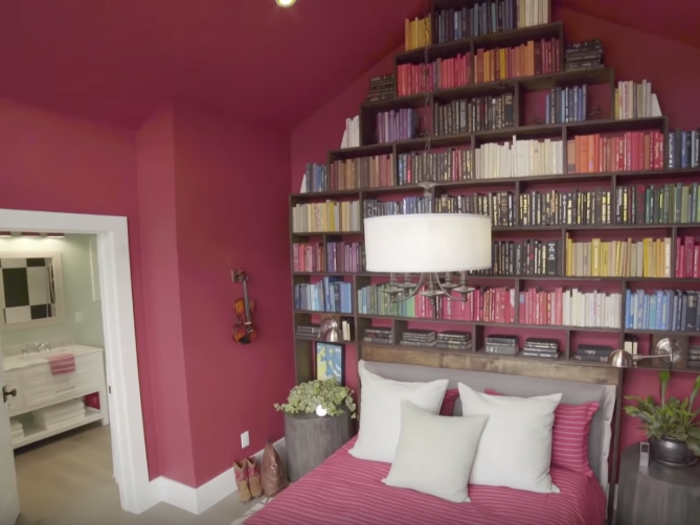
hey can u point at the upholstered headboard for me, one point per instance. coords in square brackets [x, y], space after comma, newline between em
[573, 392]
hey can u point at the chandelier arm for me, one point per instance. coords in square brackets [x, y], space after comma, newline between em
[415, 290]
[448, 293]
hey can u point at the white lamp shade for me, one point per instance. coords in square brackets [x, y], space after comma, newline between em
[428, 243]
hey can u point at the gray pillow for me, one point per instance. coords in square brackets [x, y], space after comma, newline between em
[435, 453]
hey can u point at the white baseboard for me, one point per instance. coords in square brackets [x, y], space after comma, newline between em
[197, 500]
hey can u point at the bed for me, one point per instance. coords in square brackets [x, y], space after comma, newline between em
[346, 490]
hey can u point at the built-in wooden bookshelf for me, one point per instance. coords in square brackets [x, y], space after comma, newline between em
[631, 184]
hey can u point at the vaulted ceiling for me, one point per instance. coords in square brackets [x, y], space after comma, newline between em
[115, 60]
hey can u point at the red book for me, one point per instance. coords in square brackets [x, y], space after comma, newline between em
[689, 256]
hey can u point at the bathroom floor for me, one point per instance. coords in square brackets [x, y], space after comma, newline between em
[68, 480]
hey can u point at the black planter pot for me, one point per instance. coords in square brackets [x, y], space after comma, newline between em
[672, 453]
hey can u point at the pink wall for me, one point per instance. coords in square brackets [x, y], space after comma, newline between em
[155, 164]
[202, 196]
[232, 192]
[670, 66]
[52, 162]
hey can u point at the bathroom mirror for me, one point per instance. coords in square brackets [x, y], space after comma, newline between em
[31, 289]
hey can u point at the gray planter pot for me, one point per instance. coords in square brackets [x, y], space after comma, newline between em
[672, 453]
[310, 439]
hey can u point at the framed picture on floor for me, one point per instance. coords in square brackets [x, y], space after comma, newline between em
[329, 362]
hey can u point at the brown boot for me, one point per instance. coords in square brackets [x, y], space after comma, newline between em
[254, 477]
[241, 472]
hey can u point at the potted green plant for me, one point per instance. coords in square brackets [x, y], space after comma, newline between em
[316, 423]
[672, 426]
[320, 397]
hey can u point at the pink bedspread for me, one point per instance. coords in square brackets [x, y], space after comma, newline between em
[349, 491]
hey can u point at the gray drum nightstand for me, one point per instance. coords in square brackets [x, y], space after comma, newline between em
[656, 495]
[310, 440]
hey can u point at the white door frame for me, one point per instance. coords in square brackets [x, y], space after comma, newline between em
[124, 400]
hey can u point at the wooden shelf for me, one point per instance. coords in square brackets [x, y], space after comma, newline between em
[500, 38]
[317, 312]
[621, 176]
[330, 234]
[440, 358]
[602, 75]
[317, 340]
[534, 227]
[409, 354]
[540, 131]
[507, 325]
[584, 227]
[34, 433]
[558, 278]
[493, 325]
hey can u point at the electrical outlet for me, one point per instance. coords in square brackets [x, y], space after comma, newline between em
[78, 317]
[245, 439]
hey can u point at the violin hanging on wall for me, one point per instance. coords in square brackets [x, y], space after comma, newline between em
[244, 332]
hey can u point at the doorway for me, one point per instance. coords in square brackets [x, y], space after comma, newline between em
[122, 384]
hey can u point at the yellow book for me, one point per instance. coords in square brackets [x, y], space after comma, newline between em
[595, 256]
[407, 34]
[503, 63]
[604, 270]
[645, 258]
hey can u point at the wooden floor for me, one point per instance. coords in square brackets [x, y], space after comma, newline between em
[67, 480]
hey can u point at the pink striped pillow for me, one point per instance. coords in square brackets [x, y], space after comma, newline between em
[448, 402]
[572, 425]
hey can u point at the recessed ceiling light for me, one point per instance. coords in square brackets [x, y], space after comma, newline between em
[285, 3]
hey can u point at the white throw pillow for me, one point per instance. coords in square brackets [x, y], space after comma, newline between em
[516, 446]
[380, 412]
[435, 453]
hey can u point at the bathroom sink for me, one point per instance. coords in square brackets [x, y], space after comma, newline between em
[19, 361]
[37, 358]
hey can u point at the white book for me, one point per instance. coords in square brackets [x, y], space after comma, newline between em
[655, 108]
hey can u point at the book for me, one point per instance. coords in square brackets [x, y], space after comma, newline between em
[584, 55]
[504, 340]
[663, 310]
[597, 351]
[541, 345]
[488, 17]
[351, 135]
[381, 88]
[538, 353]
[334, 257]
[501, 349]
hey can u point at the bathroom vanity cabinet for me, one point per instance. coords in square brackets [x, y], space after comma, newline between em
[37, 388]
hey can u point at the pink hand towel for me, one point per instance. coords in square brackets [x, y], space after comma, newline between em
[62, 364]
